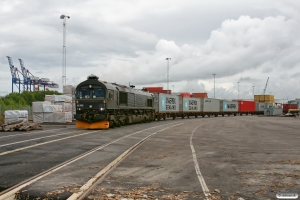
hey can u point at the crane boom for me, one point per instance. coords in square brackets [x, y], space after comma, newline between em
[266, 86]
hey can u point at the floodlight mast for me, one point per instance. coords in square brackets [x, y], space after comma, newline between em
[64, 61]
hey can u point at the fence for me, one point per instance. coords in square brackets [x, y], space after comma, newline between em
[11, 107]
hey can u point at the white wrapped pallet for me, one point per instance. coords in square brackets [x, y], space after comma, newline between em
[13, 114]
[66, 107]
[68, 116]
[52, 108]
[38, 117]
[58, 98]
[48, 117]
[8, 120]
[68, 89]
[38, 106]
[62, 117]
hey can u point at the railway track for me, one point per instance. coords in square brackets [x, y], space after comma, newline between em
[16, 192]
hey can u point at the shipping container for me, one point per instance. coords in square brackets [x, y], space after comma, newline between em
[165, 103]
[185, 94]
[229, 106]
[246, 106]
[161, 91]
[273, 111]
[200, 95]
[210, 105]
[264, 98]
[187, 104]
[260, 107]
[286, 107]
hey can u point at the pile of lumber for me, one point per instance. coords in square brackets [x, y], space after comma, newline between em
[21, 125]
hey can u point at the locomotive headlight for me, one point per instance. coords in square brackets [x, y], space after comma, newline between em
[90, 86]
[90, 106]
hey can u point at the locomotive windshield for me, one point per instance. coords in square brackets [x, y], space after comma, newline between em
[98, 93]
[83, 93]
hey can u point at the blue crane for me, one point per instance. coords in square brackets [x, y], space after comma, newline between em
[15, 76]
[266, 86]
[28, 78]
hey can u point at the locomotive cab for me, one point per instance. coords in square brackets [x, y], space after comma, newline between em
[91, 104]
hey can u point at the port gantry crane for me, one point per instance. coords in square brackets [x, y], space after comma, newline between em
[28, 78]
[266, 86]
[15, 76]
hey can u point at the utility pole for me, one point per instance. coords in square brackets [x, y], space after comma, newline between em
[173, 88]
[238, 90]
[253, 90]
[214, 74]
[168, 73]
[64, 18]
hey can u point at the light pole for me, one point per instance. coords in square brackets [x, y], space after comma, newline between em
[173, 88]
[238, 90]
[64, 18]
[168, 72]
[253, 89]
[214, 74]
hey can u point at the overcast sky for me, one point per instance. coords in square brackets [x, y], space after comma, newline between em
[129, 41]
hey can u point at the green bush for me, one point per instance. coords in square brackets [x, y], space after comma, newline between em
[15, 101]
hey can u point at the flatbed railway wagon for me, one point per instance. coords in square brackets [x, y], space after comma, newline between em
[100, 105]
[189, 106]
[229, 108]
[210, 106]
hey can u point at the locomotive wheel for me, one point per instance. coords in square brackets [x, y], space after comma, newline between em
[111, 124]
[222, 115]
[182, 116]
[173, 117]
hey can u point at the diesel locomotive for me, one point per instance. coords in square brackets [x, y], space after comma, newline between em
[101, 105]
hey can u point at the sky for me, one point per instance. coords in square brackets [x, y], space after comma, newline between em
[128, 41]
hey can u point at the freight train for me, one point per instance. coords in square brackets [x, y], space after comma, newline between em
[101, 105]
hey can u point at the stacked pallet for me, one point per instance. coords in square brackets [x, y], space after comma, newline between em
[69, 90]
[55, 109]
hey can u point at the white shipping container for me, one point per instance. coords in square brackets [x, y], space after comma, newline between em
[188, 104]
[229, 106]
[166, 103]
[210, 105]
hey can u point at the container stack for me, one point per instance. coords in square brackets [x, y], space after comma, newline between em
[69, 90]
[15, 115]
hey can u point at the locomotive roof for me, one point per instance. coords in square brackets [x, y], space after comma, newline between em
[93, 80]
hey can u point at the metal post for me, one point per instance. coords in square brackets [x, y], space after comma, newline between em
[168, 72]
[173, 88]
[238, 90]
[64, 61]
[214, 74]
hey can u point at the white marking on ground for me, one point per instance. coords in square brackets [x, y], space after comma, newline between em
[200, 177]
[36, 139]
[35, 145]
[31, 132]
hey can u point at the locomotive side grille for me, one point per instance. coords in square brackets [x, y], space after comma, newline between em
[131, 99]
[140, 100]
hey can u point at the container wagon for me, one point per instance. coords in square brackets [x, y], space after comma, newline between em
[166, 106]
[247, 107]
[189, 107]
[210, 106]
[229, 108]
